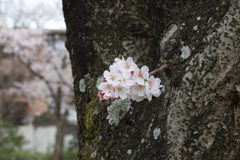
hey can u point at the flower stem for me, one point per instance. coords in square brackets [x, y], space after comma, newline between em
[164, 67]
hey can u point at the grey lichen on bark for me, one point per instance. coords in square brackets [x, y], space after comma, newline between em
[117, 110]
[197, 116]
[200, 105]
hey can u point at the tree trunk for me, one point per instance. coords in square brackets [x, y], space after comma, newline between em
[197, 115]
[60, 125]
[59, 139]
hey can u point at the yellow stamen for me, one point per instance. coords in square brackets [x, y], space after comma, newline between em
[140, 86]
[108, 86]
[140, 75]
[119, 88]
[112, 78]
[127, 66]
[150, 84]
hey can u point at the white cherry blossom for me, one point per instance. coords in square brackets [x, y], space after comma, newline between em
[140, 75]
[127, 65]
[137, 98]
[139, 89]
[112, 77]
[125, 80]
[121, 91]
[106, 87]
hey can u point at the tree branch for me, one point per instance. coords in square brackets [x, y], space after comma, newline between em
[164, 67]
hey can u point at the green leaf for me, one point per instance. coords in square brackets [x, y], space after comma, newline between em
[164, 61]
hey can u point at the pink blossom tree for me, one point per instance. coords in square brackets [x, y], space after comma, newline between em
[49, 70]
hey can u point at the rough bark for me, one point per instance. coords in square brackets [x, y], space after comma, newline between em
[197, 116]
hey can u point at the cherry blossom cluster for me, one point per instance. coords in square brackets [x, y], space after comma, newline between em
[125, 80]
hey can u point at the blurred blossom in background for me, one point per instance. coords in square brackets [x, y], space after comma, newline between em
[32, 14]
[36, 91]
